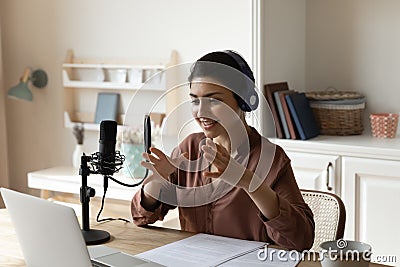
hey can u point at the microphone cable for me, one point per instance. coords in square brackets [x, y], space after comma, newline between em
[106, 177]
[102, 206]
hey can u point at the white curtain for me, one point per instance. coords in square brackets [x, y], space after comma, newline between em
[4, 181]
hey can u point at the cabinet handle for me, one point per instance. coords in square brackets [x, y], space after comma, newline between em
[329, 176]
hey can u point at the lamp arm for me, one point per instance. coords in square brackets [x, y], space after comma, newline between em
[25, 76]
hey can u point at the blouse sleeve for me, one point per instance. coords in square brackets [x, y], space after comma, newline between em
[294, 227]
[142, 215]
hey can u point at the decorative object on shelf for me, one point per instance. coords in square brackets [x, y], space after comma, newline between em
[384, 125]
[107, 107]
[116, 75]
[76, 156]
[135, 76]
[21, 91]
[338, 112]
[78, 131]
[130, 143]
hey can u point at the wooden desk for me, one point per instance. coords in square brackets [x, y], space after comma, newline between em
[125, 237]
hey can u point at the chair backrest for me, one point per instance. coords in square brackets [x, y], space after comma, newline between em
[329, 215]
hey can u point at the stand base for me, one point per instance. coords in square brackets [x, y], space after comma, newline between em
[95, 237]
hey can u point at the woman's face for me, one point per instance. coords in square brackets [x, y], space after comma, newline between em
[214, 107]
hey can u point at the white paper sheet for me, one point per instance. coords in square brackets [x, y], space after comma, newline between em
[276, 258]
[200, 250]
[211, 250]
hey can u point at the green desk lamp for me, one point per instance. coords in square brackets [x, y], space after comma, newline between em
[21, 91]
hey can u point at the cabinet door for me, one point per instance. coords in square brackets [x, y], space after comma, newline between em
[371, 193]
[316, 171]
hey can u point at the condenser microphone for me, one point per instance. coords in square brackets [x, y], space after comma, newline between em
[107, 141]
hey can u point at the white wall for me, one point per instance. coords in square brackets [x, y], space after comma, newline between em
[285, 42]
[38, 33]
[355, 45]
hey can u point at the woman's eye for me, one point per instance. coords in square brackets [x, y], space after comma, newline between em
[214, 101]
[195, 101]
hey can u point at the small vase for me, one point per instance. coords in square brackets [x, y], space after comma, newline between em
[76, 156]
[133, 157]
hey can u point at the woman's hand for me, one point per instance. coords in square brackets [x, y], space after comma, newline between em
[228, 169]
[161, 164]
[218, 156]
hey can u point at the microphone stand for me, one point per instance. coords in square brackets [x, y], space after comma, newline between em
[91, 236]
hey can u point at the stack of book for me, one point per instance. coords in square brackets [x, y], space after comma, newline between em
[294, 119]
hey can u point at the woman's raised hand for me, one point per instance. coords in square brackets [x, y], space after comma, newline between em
[161, 164]
[227, 168]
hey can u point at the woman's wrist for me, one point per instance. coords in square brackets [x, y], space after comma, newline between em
[244, 183]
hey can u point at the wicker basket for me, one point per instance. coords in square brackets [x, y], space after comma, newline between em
[338, 113]
[384, 125]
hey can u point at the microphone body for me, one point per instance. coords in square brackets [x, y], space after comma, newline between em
[107, 141]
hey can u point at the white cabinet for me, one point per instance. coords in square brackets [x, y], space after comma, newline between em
[367, 178]
[316, 171]
[84, 79]
[371, 192]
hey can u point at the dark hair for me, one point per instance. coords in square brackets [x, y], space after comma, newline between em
[224, 68]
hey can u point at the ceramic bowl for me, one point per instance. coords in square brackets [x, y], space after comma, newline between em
[135, 76]
[344, 253]
[116, 75]
[89, 74]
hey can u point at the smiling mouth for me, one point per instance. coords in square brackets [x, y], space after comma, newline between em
[207, 123]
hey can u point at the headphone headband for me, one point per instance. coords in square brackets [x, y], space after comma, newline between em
[251, 100]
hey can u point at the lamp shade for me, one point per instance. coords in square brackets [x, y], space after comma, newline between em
[21, 91]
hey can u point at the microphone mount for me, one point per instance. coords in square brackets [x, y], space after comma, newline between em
[98, 165]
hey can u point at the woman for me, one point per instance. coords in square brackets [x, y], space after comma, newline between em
[258, 203]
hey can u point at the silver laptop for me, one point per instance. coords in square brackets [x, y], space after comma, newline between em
[49, 235]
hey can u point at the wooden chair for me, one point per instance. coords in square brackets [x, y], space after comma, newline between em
[329, 215]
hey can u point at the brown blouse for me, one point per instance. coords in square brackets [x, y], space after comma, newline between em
[235, 214]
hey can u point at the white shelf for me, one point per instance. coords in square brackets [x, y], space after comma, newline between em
[68, 83]
[81, 87]
[113, 66]
[88, 126]
[103, 85]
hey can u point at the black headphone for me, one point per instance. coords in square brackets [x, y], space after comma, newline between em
[247, 100]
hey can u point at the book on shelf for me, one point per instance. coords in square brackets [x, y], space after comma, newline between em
[302, 115]
[281, 114]
[269, 90]
[106, 107]
[289, 119]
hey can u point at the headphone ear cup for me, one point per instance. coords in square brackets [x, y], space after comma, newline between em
[251, 104]
[243, 106]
